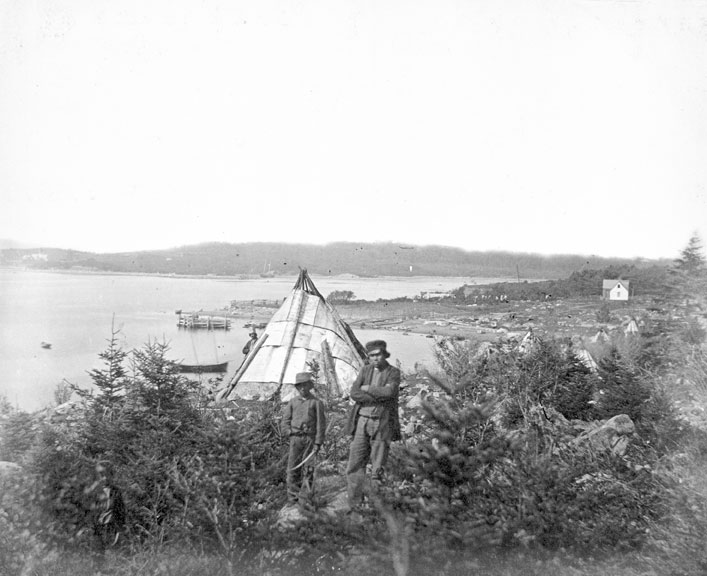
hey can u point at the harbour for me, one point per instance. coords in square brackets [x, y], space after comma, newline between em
[76, 313]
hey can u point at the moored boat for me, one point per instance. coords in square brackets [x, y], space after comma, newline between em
[203, 368]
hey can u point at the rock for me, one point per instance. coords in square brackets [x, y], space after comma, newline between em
[331, 491]
[614, 434]
[330, 497]
[9, 468]
[339, 503]
[416, 401]
[7, 471]
[289, 516]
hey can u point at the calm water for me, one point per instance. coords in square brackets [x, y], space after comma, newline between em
[75, 313]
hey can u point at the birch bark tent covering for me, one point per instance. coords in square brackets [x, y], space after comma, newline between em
[305, 328]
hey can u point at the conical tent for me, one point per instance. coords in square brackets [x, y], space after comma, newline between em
[582, 354]
[601, 336]
[586, 358]
[305, 328]
[529, 342]
[631, 327]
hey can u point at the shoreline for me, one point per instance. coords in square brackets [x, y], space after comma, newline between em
[470, 280]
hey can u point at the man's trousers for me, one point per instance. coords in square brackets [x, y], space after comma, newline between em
[366, 444]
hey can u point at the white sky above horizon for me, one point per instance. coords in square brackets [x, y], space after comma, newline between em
[547, 126]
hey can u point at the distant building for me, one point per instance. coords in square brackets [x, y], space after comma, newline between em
[434, 295]
[615, 290]
[36, 257]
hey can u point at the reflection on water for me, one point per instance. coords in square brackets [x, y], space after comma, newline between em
[76, 313]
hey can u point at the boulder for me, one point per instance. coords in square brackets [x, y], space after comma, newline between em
[330, 497]
[416, 401]
[614, 434]
[7, 468]
[7, 471]
[289, 516]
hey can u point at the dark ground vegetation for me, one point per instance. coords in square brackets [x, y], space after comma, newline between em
[147, 476]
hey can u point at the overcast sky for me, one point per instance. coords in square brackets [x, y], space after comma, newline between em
[568, 126]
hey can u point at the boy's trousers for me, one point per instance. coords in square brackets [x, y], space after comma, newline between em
[299, 479]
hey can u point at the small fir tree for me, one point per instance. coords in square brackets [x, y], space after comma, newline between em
[692, 260]
[110, 381]
[622, 391]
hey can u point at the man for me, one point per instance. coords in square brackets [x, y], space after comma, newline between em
[373, 421]
[249, 345]
[304, 422]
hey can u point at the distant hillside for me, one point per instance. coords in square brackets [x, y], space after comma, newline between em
[379, 259]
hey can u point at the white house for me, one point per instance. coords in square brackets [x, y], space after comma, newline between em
[615, 290]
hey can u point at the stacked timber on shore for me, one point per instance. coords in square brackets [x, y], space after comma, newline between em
[237, 305]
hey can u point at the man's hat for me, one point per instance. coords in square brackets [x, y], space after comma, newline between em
[303, 378]
[377, 345]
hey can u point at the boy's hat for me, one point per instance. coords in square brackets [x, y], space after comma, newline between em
[380, 345]
[303, 378]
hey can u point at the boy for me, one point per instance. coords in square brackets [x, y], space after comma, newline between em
[304, 423]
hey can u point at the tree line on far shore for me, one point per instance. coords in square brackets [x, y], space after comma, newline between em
[361, 259]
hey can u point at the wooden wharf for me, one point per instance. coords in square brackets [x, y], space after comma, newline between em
[196, 321]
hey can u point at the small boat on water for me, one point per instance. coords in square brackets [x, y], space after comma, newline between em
[46, 345]
[203, 368]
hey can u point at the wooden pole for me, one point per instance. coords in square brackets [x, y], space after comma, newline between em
[333, 387]
[243, 367]
[299, 298]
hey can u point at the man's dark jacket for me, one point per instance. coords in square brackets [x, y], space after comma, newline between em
[384, 396]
